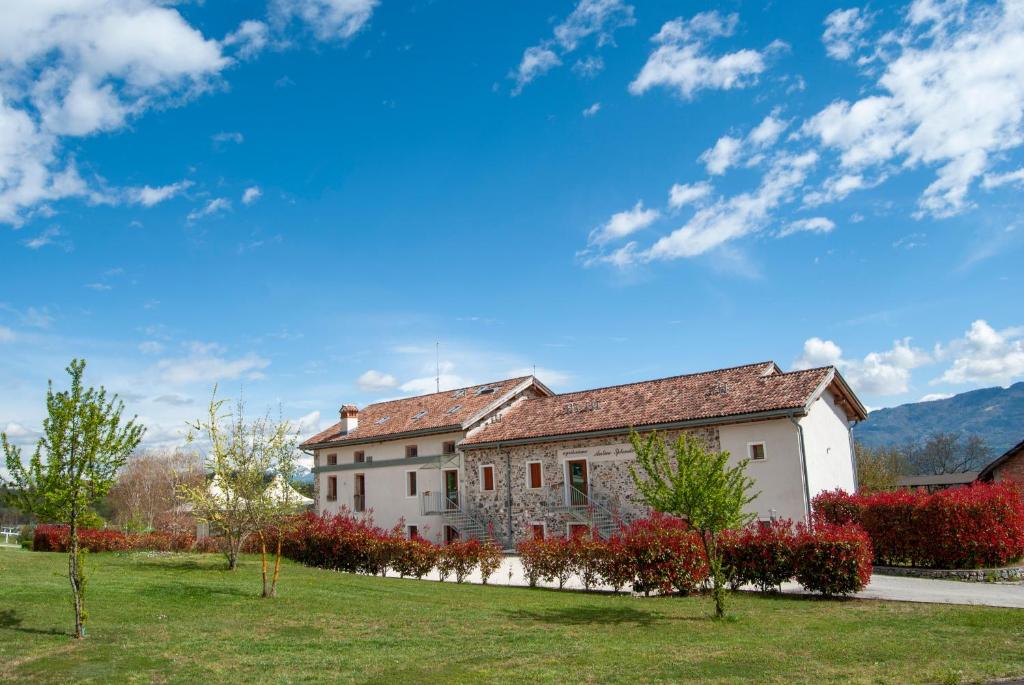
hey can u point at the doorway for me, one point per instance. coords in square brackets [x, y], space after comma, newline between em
[451, 489]
[579, 486]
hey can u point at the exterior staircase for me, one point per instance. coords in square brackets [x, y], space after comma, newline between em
[459, 513]
[593, 507]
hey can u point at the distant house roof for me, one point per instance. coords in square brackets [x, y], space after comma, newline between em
[745, 392]
[989, 471]
[438, 412]
[932, 479]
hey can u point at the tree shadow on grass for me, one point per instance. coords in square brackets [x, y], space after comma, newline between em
[576, 616]
[10, 619]
[193, 590]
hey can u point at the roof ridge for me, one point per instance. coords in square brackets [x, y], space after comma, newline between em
[445, 392]
[666, 378]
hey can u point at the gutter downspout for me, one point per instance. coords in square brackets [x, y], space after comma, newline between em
[508, 501]
[803, 468]
[316, 480]
[853, 458]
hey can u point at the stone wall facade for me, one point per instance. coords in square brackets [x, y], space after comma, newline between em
[609, 477]
[1011, 470]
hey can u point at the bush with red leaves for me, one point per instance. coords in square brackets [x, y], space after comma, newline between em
[832, 560]
[666, 555]
[761, 555]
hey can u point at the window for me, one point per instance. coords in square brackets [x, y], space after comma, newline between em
[537, 530]
[487, 478]
[755, 450]
[359, 493]
[534, 474]
[450, 535]
[410, 483]
[332, 488]
[411, 451]
[414, 532]
[449, 447]
[578, 530]
[419, 415]
[332, 459]
[359, 457]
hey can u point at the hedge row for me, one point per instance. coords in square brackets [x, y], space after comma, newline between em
[977, 526]
[55, 538]
[660, 554]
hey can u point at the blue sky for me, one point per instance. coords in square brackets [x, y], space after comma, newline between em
[296, 200]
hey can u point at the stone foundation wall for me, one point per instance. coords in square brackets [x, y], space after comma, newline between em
[609, 477]
[974, 575]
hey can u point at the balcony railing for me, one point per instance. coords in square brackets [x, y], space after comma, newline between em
[438, 502]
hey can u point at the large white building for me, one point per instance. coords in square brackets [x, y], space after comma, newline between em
[511, 459]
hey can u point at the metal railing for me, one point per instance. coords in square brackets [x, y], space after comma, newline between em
[438, 502]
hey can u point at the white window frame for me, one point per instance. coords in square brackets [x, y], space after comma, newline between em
[407, 495]
[750, 451]
[535, 461]
[494, 477]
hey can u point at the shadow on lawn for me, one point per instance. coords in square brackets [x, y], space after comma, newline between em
[576, 616]
[10, 619]
[193, 590]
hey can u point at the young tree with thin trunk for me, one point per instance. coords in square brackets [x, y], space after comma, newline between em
[698, 485]
[239, 457]
[74, 465]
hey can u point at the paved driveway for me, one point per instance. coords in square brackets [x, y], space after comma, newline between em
[881, 587]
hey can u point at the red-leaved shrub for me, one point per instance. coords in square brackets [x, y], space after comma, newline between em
[665, 554]
[55, 538]
[832, 560]
[416, 557]
[760, 554]
[971, 527]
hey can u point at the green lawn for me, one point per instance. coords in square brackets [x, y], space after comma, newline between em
[183, 619]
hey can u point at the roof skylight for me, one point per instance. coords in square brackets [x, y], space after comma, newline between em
[459, 393]
[454, 409]
[486, 390]
[419, 415]
[382, 420]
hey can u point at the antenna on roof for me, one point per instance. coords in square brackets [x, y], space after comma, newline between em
[437, 362]
[534, 370]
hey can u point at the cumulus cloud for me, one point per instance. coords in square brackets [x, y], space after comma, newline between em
[878, 373]
[952, 97]
[622, 224]
[985, 355]
[682, 194]
[729, 151]
[682, 64]
[597, 19]
[208, 363]
[147, 196]
[723, 155]
[327, 19]
[1010, 177]
[228, 137]
[375, 381]
[72, 70]
[249, 39]
[844, 32]
[251, 194]
[817, 224]
[592, 110]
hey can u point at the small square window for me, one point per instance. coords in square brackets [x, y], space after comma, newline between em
[756, 451]
[538, 531]
[411, 451]
[359, 456]
[332, 459]
[449, 447]
[410, 484]
[535, 474]
[487, 478]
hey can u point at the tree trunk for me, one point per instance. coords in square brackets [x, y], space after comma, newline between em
[76, 574]
[232, 551]
[263, 563]
[715, 568]
[277, 566]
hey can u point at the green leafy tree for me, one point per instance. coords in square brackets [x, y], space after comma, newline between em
[878, 468]
[74, 465]
[694, 483]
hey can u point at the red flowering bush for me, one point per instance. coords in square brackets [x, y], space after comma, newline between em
[55, 538]
[531, 556]
[549, 559]
[415, 557]
[832, 560]
[837, 507]
[615, 565]
[459, 557]
[666, 555]
[980, 525]
[761, 554]
[587, 553]
[342, 542]
[490, 558]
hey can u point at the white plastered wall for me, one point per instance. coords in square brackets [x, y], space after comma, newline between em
[830, 464]
[777, 477]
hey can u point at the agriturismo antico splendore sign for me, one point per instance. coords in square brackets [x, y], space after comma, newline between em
[620, 452]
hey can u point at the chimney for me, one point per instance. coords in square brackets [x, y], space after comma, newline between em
[349, 417]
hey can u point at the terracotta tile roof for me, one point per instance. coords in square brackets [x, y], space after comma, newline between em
[434, 412]
[709, 395]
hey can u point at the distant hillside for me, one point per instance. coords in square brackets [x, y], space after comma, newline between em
[997, 414]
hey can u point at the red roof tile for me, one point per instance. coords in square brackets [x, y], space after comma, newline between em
[710, 395]
[435, 412]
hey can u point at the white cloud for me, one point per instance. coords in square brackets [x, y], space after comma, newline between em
[214, 206]
[768, 131]
[20, 434]
[228, 137]
[375, 381]
[75, 69]
[6, 335]
[207, 363]
[681, 63]
[429, 384]
[817, 224]
[250, 38]
[50, 236]
[150, 347]
[251, 194]
[550, 377]
[600, 18]
[844, 32]
[99, 287]
[622, 224]
[147, 196]
[723, 155]
[933, 396]
[996, 180]
[952, 97]
[985, 355]
[327, 19]
[592, 110]
[682, 194]
[878, 373]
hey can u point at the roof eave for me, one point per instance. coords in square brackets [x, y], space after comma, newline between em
[450, 428]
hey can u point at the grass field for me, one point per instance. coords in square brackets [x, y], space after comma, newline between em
[183, 619]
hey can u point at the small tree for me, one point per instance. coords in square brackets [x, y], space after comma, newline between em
[698, 485]
[239, 456]
[878, 468]
[84, 443]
